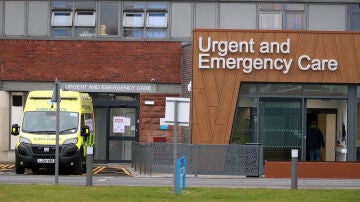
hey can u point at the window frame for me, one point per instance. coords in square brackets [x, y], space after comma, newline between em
[68, 21]
[284, 10]
[126, 22]
[163, 25]
[91, 21]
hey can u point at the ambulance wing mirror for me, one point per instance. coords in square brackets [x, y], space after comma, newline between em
[15, 128]
[85, 131]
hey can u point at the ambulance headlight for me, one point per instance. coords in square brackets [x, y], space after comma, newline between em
[71, 141]
[24, 140]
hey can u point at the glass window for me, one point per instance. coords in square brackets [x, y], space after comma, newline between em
[136, 33]
[133, 19]
[109, 18]
[62, 4]
[145, 19]
[294, 21]
[61, 18]
[280, 89]
[282, 16]
[157, 5]
[156, 19]
[248, 89]
[85, 32]
[85, 18]
[325, 90]
[281, 127]
[81, 4]
[354, 17]
[153, 33]
[270, 21]
[61, 32]
[134, 5]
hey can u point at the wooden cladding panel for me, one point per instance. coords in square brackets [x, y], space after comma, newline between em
[215, 91]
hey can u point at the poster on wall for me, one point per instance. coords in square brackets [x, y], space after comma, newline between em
[119, 123]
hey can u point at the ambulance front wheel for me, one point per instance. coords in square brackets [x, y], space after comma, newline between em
[19, 169]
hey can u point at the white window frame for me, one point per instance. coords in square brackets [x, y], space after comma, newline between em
[130, 21]
[67, 19]
[87, 18]
[148, 20]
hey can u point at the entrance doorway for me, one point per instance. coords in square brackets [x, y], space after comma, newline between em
[326, 122]
[329, 115]
[116, 126]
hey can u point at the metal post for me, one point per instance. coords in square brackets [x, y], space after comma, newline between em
[175, 142]
[57, 97]
[89, 165]
[294, 169]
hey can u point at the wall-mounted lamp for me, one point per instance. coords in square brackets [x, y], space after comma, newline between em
[149, 102]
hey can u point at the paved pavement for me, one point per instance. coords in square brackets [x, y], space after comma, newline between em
[113, 174]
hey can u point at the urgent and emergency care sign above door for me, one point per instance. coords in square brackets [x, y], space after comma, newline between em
[249, 55]
[223, 59]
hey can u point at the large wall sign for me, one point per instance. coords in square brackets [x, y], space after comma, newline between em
[215, 54]
[222, 59]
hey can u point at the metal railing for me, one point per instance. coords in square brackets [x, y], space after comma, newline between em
[245, 160]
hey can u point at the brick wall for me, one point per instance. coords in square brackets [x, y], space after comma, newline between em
[87, 61]
[150, 118]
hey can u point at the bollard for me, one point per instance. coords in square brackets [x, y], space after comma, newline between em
[89, 162]
[294, 169]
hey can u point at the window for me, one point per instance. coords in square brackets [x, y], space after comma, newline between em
[85, 18]
[156, 19]
[109, 18]
[73, 18]
[354, 17]
[148, 20]
[282, 16]
[61, 18]
[133, 19]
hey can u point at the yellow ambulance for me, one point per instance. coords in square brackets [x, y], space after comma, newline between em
[36, 144]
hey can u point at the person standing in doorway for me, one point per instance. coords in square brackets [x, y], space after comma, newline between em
[314, 142]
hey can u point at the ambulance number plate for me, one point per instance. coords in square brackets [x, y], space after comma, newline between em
[46, 160]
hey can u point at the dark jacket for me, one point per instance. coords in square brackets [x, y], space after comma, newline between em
[314, 138]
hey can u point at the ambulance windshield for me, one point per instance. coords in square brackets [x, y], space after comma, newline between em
[44, 122]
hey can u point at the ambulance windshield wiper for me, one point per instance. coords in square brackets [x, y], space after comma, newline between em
[42, 131]
[69, 130]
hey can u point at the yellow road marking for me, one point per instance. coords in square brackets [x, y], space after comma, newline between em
[98, 169]
[125, 171]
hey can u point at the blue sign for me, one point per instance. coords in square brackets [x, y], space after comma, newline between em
[181, 173]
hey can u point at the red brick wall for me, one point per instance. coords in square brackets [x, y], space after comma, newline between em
[150, 118]
[87, 61]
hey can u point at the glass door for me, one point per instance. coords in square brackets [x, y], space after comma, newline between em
[116, 120]
[122, 133]
[280, 127]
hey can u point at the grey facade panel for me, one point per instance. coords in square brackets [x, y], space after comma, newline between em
[1, 17]
[181, 20]
[186, 77]
[205, 15]
[238, 16]
[327, 17]
[38, 21]
[14, 18]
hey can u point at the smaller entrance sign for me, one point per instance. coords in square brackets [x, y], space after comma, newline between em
[181, 174]
[183, 111]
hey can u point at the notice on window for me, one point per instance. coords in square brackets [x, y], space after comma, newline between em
[119, 123]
